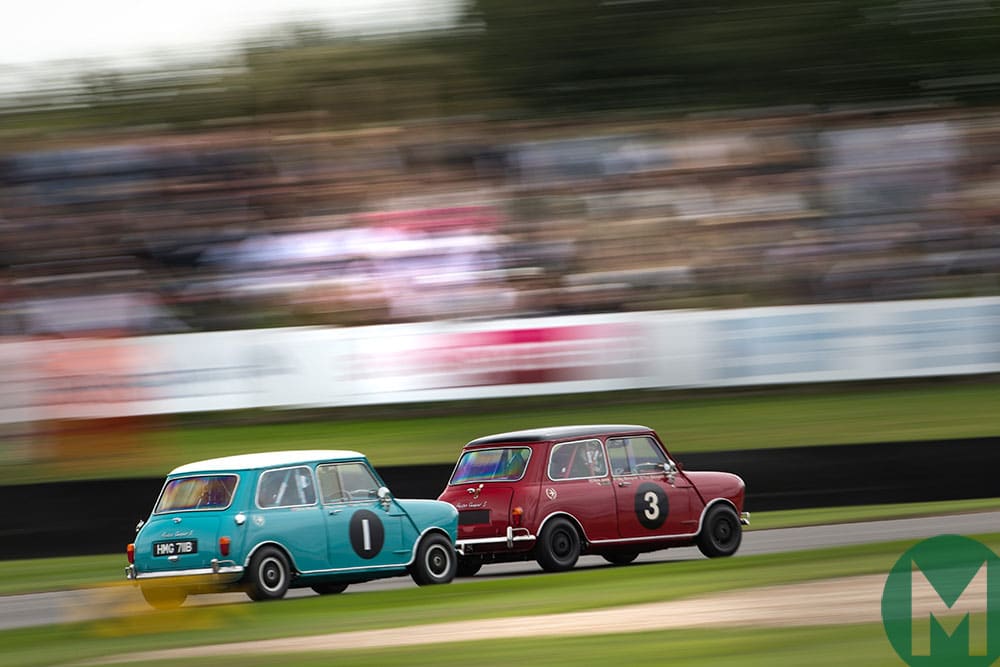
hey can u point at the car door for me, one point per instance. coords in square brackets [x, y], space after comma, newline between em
[288, 513]
[363, 531]
[578, 483]
[650, 501]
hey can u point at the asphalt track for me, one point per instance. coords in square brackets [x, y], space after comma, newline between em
[35, 609]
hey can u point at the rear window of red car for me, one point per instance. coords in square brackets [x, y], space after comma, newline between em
[502, 464]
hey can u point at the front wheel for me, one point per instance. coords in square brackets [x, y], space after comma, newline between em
[269, 575]
[558, 546]
[721, 533]
[160, 597]
[436, 561]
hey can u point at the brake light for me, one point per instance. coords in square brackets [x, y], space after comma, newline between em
[224, 545]
[130, 552]
[515, 515]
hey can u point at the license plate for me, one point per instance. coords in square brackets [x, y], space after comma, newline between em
[175, 548]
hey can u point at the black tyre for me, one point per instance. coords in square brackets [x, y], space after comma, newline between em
[721, 533]
[160, 597]
[468, 567]
[330, 589]
[436, 561]
[558, 546]
[269, 575]
[620, 558]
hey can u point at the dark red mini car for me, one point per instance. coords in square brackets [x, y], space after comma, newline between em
[552, 494]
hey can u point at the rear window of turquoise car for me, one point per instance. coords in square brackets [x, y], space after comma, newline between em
[503, 464]
[199, 492]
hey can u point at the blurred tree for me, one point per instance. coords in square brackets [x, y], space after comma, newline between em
[599, 54]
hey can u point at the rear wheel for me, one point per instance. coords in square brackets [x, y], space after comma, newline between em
[620, 558]
[330, 589]
[436, 561]
[721, 533]
[269, 575]
[558, 546]
[160, 597]
[468, 567]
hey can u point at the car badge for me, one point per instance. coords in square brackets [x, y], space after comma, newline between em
[258, 520]
[550, 493]
[474, 491]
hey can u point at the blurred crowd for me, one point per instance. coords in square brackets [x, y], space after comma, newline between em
[290, 223]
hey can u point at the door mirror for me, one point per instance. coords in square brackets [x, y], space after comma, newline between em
[384, 497]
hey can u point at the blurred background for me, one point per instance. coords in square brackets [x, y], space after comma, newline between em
[249, 166]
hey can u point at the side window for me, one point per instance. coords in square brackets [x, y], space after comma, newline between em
[286, 487]
[329, 484]
[633, 456]
[347, 481]
[576, 460]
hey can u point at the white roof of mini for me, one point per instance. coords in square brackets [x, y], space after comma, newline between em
[267, 460]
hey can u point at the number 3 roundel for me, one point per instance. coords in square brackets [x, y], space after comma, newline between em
[651, 505]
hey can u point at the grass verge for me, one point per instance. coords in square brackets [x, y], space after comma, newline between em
[406, 435]
[140, 629]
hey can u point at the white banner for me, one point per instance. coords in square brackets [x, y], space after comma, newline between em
[434, 361]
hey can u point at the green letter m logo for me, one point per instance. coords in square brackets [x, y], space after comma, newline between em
[941, 603]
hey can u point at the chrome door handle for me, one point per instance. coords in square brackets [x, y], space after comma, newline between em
[623, 483]
[335, 511]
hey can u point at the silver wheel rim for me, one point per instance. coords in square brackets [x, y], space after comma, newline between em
[271, 574]
[437, 561]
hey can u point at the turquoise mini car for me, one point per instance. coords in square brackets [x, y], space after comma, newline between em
[263, 523]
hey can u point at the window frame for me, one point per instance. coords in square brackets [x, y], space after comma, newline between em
[557, 445]
[659, 445]
[344, 495]
[232, 496]
[260, 480]
[524, 471]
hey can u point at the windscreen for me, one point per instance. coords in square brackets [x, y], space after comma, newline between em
[503, 464]
[202, 492]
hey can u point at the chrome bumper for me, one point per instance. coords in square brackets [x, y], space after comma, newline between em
[745, 518]
[513, 535]
[221, 571]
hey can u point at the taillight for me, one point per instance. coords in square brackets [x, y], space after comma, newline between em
[515, 515]
[130, 552]
[224, 545]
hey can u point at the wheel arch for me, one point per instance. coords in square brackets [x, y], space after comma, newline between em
[710, 505]
[427, 532]
[562, 514]
[294, 570]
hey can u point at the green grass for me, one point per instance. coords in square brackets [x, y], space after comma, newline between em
[757, 647]
[690, 422]
[829, 515]
[52, 574]
[141, 629]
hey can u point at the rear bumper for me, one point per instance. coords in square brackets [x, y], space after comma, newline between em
[521, 537]
[745, 518]
[220, 572]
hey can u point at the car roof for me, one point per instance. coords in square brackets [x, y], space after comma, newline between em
[267, 460]
[559, 433]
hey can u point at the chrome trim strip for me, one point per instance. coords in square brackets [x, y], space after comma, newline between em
[198, 572]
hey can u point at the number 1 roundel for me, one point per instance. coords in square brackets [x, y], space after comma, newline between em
[651, 505]
[367, 534]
